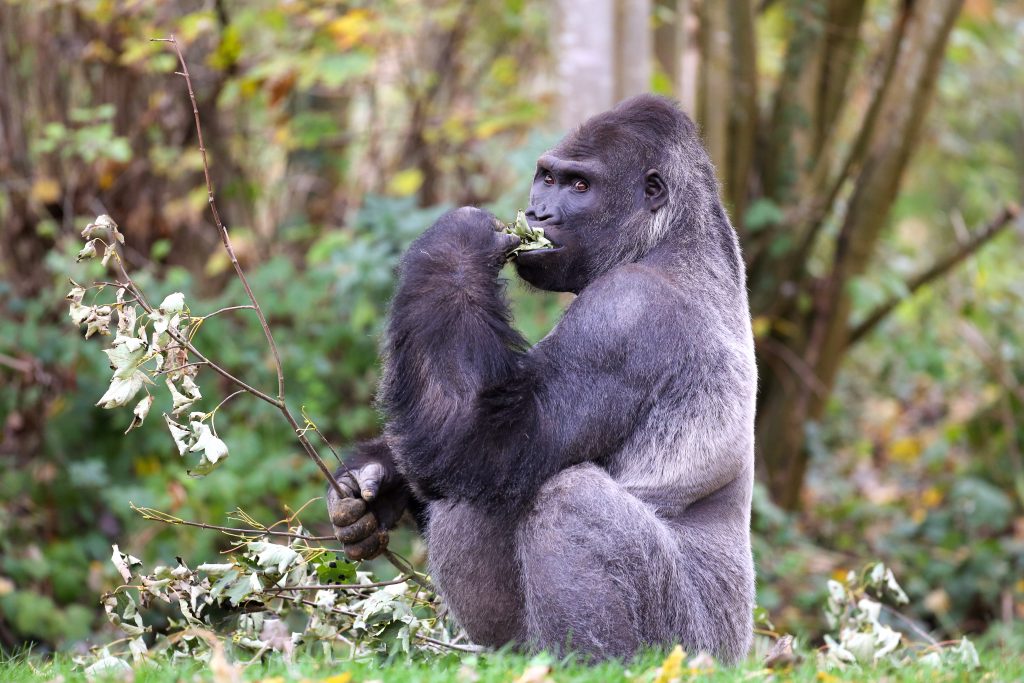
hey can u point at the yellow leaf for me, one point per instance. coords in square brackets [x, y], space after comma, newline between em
[338, 678]
[906, 450]
[283, 136]
[350, 28]
[761, 325]
[826, 677]
[672, 667]
[931, 497]
[45, 190]
[217, 263]
[407, 182]
[505, 71]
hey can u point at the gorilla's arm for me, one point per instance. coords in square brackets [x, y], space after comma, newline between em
[471, 413]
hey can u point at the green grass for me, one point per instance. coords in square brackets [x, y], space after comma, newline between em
[505, 668]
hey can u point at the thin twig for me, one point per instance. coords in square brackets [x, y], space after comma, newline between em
[221, 228]
[225, 310]
[910, 624]
[230, 396]
[340, 586]
[330, 446]
[226, 241]
[178, 368]
[154, 515]
[451, 646]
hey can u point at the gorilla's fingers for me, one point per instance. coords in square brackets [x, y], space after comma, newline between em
[368, 548]
[348, 483]
[369, 478]
[354, 533]
[345, 511]
[508, 242]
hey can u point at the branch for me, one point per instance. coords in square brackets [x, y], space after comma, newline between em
[995, 227]
[280, 403]
[221, 228]
[338, 586]
[129, 284]
[226, 241]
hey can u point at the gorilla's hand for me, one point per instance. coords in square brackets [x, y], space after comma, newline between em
[375, 497]
[471, 232]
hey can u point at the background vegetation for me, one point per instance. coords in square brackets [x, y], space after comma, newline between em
[870, 154]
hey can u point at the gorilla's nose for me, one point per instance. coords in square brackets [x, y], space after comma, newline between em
[538, 214]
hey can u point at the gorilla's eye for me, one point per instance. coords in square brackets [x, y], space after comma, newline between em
[549, 179]
[580, 186]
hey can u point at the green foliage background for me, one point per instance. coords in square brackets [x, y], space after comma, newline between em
[338, 131]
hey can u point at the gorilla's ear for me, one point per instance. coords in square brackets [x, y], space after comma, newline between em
[655, 191]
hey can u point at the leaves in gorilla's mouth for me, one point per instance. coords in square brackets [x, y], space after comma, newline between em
[530, 238]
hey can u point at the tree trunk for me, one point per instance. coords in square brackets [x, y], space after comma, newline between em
[586, 66]
[799, 370]
[727, 96]
[633, 48]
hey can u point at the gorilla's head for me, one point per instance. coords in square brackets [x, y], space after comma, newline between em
[613, 189]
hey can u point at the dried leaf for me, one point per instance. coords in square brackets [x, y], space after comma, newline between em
[781, 654]
[97, 320]
[214, 450]
[273, 556]
[122, 390]
[140, 412]
[123, 563]
[87, 252]
[181, 435]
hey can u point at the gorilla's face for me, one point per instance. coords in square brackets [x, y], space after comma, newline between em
[565, 200]
[587, 205]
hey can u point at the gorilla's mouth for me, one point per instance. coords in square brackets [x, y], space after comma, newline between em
[526, 255]
[551, 233]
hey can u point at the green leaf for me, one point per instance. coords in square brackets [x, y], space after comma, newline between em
[761, 214]
[334, 570]
[530, 238]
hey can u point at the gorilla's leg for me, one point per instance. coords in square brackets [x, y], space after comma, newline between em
[474, 565]
[602, 570]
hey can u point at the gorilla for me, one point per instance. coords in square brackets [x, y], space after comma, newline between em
[590, 493]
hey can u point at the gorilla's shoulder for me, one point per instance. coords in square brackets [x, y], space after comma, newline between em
[631, 300]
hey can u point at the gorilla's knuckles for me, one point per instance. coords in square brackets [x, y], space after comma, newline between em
[346, 511]
[358, 530]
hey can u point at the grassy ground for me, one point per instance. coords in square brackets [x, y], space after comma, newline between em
[506, 668]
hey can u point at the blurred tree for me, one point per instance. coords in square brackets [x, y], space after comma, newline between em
[810, 172]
